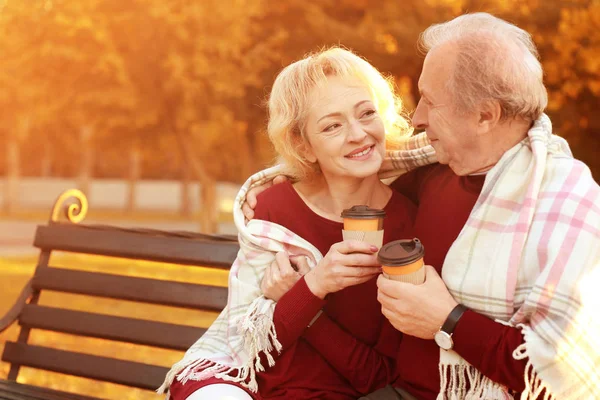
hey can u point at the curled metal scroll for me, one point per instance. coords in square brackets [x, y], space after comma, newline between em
[74, 211]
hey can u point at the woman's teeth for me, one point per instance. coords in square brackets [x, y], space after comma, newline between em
[362, 153]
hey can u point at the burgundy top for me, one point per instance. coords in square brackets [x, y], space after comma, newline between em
[300, 372]
[445, 201]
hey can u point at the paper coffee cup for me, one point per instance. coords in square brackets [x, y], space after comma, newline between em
[402, 260]
[364, 224]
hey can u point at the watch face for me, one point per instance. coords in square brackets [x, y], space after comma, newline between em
[443, 340]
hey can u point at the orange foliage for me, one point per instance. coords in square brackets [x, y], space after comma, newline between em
[135, 72]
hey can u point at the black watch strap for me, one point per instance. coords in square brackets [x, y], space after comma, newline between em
[453, 318]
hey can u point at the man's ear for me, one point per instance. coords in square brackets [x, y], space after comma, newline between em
[490, 113]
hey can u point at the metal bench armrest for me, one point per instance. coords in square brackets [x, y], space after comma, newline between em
[12, 314]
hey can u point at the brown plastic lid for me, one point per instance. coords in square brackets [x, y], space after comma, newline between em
[363, 212]
[401, 252]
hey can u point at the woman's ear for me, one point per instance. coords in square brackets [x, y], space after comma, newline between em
[305, 149]
[309, 155]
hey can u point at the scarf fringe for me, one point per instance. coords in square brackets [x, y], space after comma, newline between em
[258, 330]
[259, 335]
[465, 382]
[534, 386]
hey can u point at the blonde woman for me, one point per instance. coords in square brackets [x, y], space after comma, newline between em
[328, 118]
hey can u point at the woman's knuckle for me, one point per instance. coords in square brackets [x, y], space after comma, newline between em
[336, 259]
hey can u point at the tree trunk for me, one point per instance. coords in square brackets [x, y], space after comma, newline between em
[13, 173]
[134, 174]
[86, 160]
[46, 163]
[249, 132]
[208, 208]
[208, 198]
[186, 207]
[245, 150]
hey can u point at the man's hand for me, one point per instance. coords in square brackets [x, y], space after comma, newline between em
[250, 204]
[347, 263]
[281, 276]
[417, 310]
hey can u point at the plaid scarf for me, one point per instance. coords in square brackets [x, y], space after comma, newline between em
[416, 152]
[529, 256]
[231, 348]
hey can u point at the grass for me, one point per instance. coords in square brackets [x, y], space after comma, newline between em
[16, 271]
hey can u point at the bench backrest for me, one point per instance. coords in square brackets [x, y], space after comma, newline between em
[143, 244]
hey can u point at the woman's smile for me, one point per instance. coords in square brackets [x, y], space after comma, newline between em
[362, 153]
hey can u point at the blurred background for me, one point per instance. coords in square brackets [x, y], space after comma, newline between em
[158, 105]
[154, 108]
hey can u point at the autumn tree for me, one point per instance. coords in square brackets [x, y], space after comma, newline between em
[175, 90]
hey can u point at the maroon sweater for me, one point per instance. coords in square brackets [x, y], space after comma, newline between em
[445, 201]
[300, 372]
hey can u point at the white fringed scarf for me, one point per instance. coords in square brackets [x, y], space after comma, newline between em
[529, 256]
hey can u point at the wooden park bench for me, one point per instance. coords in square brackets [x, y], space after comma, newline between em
[183, 248]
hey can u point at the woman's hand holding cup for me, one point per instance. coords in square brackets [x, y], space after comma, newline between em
[347, 263]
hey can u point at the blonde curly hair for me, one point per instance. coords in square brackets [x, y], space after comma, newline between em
[288, 103]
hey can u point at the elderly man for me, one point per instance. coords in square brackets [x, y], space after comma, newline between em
[510, 223]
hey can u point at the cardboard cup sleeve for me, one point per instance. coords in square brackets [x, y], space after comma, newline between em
[372, 237]
[416, 278]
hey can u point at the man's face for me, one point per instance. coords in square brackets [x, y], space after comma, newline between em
[453, 135]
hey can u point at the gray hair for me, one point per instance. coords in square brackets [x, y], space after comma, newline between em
[496, 61]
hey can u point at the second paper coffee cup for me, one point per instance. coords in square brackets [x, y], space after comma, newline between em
[402, 260]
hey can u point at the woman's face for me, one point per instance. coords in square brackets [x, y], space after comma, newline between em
[346, 135]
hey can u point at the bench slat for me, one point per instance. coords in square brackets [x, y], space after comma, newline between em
[178, 294]
[11, 390]
[130, 330]
[122, 372]
[138, 245]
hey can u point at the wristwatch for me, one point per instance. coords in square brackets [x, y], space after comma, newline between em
[443, 337]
